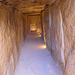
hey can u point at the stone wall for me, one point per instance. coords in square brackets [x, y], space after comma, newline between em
[59, 33]
[11, 38]
[34, 23]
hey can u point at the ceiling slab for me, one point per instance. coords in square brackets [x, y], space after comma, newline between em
[28, 6]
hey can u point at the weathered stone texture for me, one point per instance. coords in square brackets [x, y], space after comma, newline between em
[28, 6]
[61, 33]
[11, 38]
[46, 28]
[70, 67]
[68, 13]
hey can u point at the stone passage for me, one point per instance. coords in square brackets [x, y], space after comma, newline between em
[35, 59]
[53, 20]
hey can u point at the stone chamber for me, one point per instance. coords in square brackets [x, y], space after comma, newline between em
[53, 19]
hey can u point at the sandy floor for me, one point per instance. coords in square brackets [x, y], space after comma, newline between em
[35, 59]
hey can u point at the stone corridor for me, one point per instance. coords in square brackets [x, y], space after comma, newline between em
[35, 59]
[37, 37]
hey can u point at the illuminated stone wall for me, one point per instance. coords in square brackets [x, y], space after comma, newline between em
[11, 38]
[59, 32]
[34, 23]
[46, 28]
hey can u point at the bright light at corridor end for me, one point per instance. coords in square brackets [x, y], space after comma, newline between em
[39, 35]
[43, 46]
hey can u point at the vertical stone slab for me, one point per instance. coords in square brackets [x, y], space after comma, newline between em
[10, 43]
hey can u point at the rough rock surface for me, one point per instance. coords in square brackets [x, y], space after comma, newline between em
[28, 6]
[61, 33]
[70, 65]
[11, 38]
